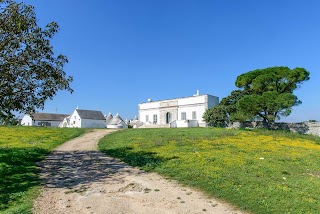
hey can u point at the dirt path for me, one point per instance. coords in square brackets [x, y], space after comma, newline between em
[79, 179]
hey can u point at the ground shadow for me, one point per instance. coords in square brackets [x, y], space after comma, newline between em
[68, 169]
[142, 159]
[18, 172]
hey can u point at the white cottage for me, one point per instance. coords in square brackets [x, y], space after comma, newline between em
[42, 119]
[84, 119]
[179, 112]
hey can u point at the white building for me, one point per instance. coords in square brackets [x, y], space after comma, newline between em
[42, 119]
[116, 122]
[108, 118]
[84, 119]
[180, 112]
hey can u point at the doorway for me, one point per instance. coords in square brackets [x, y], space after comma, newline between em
[168, 118]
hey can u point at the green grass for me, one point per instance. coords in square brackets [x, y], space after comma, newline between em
[257, 171]
[20, 149]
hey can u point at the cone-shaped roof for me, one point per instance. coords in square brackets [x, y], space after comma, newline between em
[116, 120]
[109, 118]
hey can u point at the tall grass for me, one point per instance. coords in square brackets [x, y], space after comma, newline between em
[20, 149]
[257, 171]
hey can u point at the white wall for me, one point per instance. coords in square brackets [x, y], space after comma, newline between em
[26, 120]
[121, 125]
[75, 120]
[52, 123]
[150, 113]
[88, 123]
[184, 123]
[150, 109]
[199, 109]
[197, 104]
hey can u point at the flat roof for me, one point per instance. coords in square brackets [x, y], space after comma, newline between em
[178, 98]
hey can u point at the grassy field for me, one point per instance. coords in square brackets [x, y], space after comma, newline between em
[20, 149]
[257, 171]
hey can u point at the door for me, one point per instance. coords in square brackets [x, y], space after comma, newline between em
[168, 118]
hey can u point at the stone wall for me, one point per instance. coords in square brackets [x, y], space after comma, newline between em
[303, 128]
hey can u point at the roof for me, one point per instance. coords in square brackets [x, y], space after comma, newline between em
[109, 118]
[172, 99]
[48, 116]
[90, 114]
[116, 120]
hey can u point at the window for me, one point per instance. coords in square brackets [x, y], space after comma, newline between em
[147, 118]
[183, 116]
[194, 115]
[155, 119]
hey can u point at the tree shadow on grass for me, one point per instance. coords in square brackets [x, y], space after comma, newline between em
[18, 172]
[142, 159]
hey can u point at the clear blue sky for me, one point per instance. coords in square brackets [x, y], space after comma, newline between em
[122, 52]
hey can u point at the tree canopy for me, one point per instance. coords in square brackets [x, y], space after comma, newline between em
[265, 94]
[30, 72]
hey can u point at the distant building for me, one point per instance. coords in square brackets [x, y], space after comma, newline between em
[116, 122]
[179, 112]
[84, 119]
[135, 123]
[43, 119]
[108, 118]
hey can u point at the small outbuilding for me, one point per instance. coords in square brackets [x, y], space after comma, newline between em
[117, 123]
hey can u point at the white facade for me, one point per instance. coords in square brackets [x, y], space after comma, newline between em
[42, 119]
[84, 119]
[75, 120]
[27, 120]
[184, 112]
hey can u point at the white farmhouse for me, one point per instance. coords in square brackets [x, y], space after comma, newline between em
[84, 119]
[42, 119]
[179, 112]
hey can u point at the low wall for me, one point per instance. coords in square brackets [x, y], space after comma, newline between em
[303, 128]
[184, 123]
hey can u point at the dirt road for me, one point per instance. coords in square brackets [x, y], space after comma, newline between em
[79, 179]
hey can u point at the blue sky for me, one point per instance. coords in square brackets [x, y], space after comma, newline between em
[122, 52]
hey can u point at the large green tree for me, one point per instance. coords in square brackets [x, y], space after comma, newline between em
[264, 94]
[225, 112]
[270, 92]
[30, 72]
